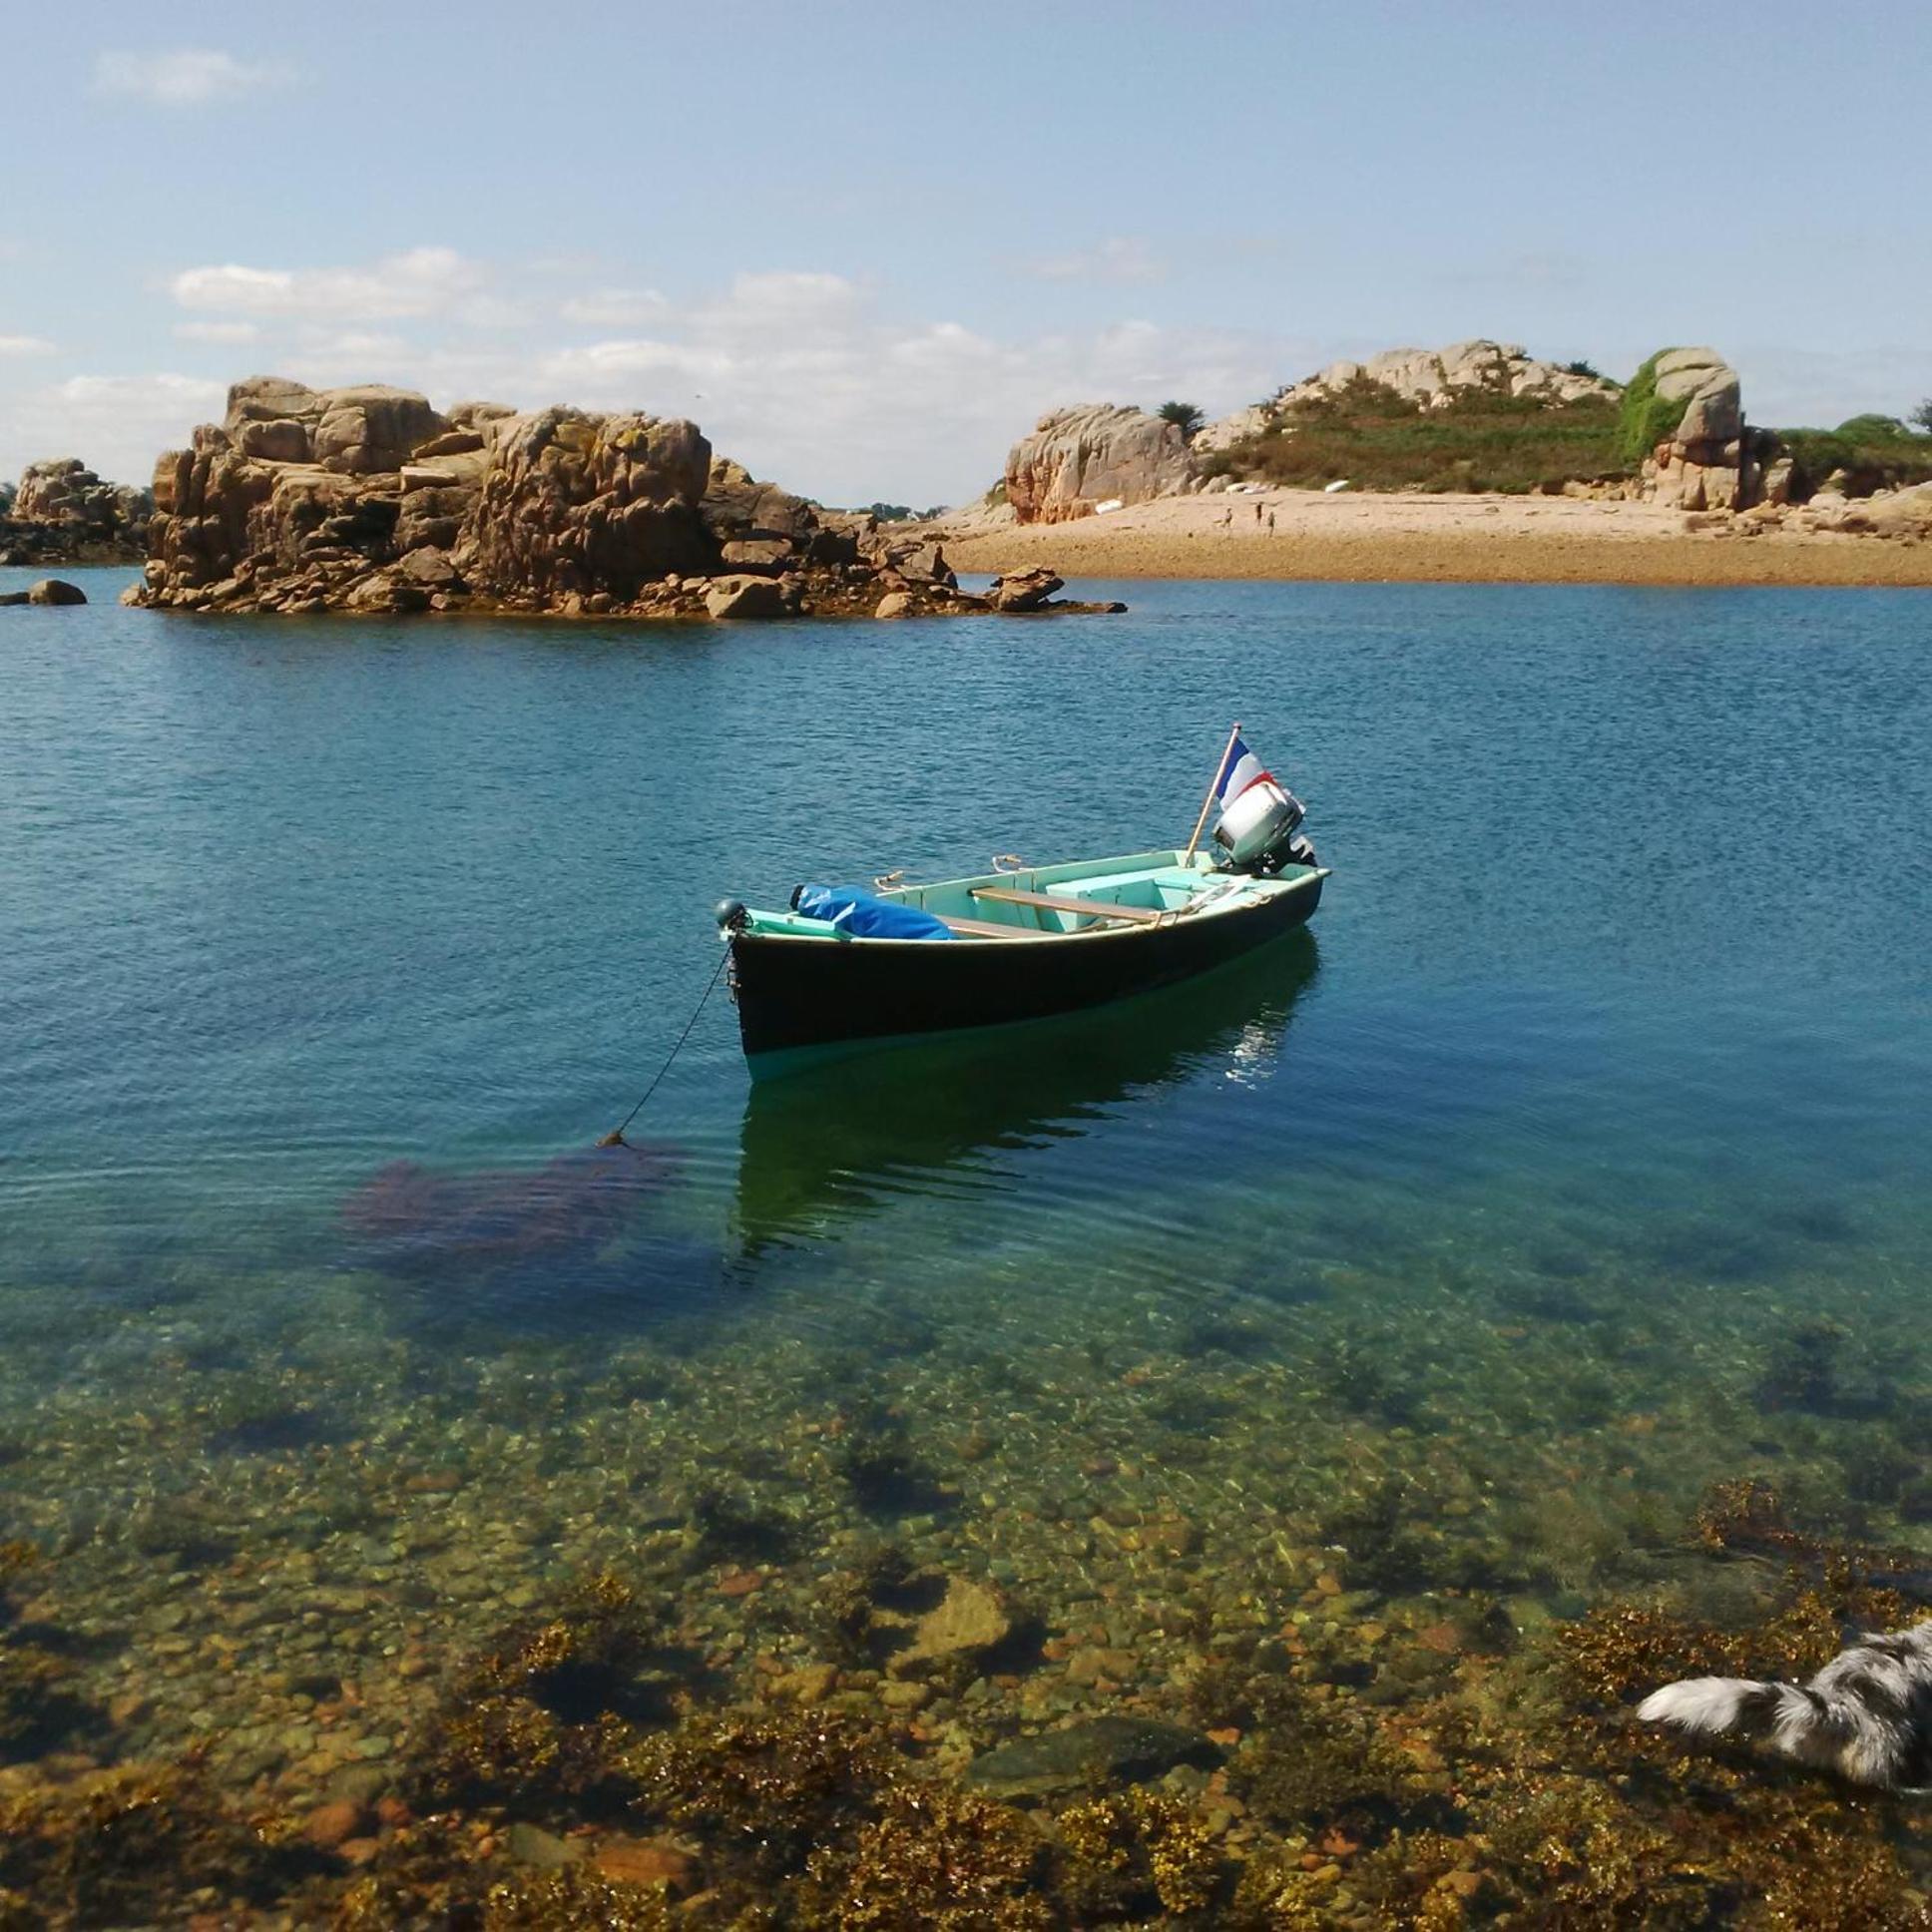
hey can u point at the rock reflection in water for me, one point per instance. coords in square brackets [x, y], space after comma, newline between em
[842, 1137]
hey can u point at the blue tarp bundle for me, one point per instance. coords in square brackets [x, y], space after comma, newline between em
[865, 915]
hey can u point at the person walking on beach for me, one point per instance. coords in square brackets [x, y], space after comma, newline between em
[1271, 523]
[1227, 518]
[1257, 513]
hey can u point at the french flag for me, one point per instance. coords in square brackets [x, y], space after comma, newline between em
[1240, 769]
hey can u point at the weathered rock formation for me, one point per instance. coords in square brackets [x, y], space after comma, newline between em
[50, 590]
[1709, 461]
[368, 499]
[63, 510]
[1905, 515]
[1097, 453]
[1431, 378]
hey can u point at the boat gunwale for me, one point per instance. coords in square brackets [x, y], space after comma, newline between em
[1224, 907]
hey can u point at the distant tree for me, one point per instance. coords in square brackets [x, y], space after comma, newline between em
[1921, 417]
[6, 498]
[1583, 368]
[1186, 418]
[1872, 428]
[890, 512]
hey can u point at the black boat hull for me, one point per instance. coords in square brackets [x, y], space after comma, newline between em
[795, 994]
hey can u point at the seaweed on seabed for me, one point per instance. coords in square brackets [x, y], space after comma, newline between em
[1133, 1854]
[110, 1847]
[885, 1475]
[37, 1710]
[882, 1577]
[1358, 1374]
[428, 1873]
[1803, 1367]
[931, 1856]
[1311, 1761]
[1576, 1850]
[817, 1818]
[546, 1712]
[725, 1524]
[763, 1789]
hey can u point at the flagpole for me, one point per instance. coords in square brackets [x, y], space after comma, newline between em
[1207, 803]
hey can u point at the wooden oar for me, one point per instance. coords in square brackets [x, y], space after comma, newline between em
[1207, 803]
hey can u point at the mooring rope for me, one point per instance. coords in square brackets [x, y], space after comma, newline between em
[616, 1136]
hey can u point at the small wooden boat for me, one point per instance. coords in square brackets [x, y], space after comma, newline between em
[1022, 942]
[1027, 942]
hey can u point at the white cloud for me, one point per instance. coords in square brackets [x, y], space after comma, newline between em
[615, 307]
[801, 378]
[603, 365]
[118, 424]
[418, 283]
[185, 76]
[217, 331]
[25, 346]
[784, 299]
[803, 374]
[1121, 260]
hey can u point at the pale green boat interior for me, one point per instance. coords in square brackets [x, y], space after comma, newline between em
[1147, 884]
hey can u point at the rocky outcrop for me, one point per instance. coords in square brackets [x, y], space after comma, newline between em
[1709, 461]
[1023, 590]
[1076, 459]
[1430, 378]
[1904, 515]
[50, 590]
[368, 499]
[61, 510]
[65, 490]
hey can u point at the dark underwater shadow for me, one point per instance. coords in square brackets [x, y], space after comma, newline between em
[563, 1248]
[827, 1143]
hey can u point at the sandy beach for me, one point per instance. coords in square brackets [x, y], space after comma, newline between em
[1456, 539]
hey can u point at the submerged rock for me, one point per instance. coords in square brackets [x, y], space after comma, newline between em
[970, 1619]
[1100, 1752]
[412, 1216]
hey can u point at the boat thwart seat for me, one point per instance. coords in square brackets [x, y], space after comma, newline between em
[990, 929]
[1061, 902]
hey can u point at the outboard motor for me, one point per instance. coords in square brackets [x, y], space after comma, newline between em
[1258, 829]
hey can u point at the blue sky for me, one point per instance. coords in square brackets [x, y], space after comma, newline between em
[865, 245]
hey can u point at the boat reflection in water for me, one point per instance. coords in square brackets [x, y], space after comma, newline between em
[933, 1116]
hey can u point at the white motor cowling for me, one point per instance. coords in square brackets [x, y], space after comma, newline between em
[1258, 828]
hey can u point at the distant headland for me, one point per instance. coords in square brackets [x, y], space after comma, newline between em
[1443, 463]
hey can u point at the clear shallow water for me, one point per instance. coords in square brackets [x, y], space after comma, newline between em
[1599, 1081]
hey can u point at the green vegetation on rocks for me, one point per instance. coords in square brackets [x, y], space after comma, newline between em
[1186, 418]
[1479, 439]
[1874, 452]
[1646, 418]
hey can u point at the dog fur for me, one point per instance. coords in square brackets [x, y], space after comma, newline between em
[1866, 1716]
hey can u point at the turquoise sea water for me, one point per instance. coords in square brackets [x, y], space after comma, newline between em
[1574, 1161]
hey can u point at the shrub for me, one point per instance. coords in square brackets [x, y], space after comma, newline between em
[1481, 439]
[1646, 418]
[1186, 418]
[1874, 452]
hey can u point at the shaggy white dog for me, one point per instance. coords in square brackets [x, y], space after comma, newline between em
[1866, 1716]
